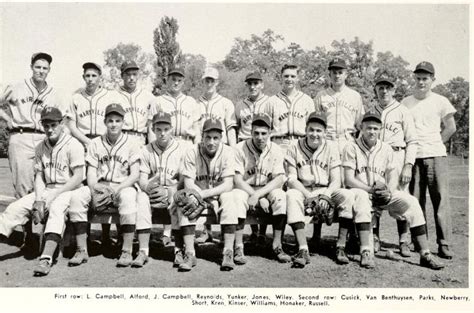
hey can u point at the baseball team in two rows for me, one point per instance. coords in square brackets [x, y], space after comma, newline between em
[312, 136]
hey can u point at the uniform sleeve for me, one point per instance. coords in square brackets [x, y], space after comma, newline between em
[92, 159]
[239, 160]
[189, 164]
[152, 105]
[155, 107]
[76, 155]
[278, 161]
[446, 108]
[411, 138]
[228, 163]
[134, 154]
[349, 157]
[230, 119]
[360, 112]
[390, 163]
[334, 157]
[144, 161]
[38, 164]
[290, 156]
[318, 103]
[72, 111]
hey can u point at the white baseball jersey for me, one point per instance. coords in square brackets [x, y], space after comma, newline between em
[219, 108]
[137, 106]
[428, 114]
[244, 112]
[25, 103]
[209, 172]
[184, 112]
[289, 115]
[112, 161]
[258, 168]
[370, 164]
[343, 109]
[313, 166]
[88, 111]
[57, 162]
[165, 165]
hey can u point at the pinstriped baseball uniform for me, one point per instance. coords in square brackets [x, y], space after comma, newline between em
[244, 112]
[56, 163]
[219, 108]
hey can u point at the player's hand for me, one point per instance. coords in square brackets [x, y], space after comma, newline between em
[252, 202]
[405, 176]
[323, 205]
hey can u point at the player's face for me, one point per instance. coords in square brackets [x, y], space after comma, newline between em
[315, 132]
[370, 131]
[289, 78]
[91, 77]
[338, 76]
[255, 87]
[114, 124]
[423, 81]
[40, 70]
[175, 83]
[163, 133]
[130, 79]
[211, 140]
[385, 92]
[210, 84]
[260, 135]
[52, 129]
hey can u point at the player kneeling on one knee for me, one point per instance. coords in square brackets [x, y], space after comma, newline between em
[313, 170]
[371, 176]
[208, 171]
[112, 170]
[259, 177]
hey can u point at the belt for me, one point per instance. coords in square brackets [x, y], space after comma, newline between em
[287, 137]
[134, 133]
[22, 130]
[315, 186]
[92, 136]
[398, 148]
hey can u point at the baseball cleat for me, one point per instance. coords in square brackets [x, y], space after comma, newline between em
[189, 262]
[178, 258]
[428, 260]
[367, 259]
[405, 250]
[341, 257]
[228, 260]
[43, 268]
[164, 241]
[205, 236]
[239, 257]
[443, 252]
[140, 260]
[79, 257]
[125, 259]
[281, 256]
[301, 259]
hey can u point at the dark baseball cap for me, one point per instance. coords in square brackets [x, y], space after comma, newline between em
[92, 65]
[382, 75]
[114, 108]
[176, 71]
[318, 117]
[41, 56]
[212, 124]
[253, 76]
[161, 117]
[424, 67]
[51, 114]
[129, 65]
[372, 116]
[337, 63]
[262, 118]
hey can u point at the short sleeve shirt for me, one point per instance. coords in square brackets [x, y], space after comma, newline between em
[219, 108]
[244, 112]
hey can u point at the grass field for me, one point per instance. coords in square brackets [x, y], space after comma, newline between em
[16, 270]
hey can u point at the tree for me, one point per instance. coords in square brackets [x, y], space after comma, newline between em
[398, 67]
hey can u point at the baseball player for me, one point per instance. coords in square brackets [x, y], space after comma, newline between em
[260, 175]
[313, 168]
[209, 168]
[245, 110]
[113, 160]
[369, 161]
[398, 130]
[215, 106]
[429, 111]
[160, 160]
[59, 169]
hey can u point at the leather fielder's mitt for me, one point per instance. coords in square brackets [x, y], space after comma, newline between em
[159, 195]
[321, 208]
[39, 212]
[190, 202]
[102, 198]
[381, 195]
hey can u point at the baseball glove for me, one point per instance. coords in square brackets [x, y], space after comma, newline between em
[102, 198]
[381, 195]
[321, 208]
[40, 212]
[191, 203]
[159, 195]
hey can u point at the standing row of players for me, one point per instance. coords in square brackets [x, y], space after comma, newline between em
[288, 113]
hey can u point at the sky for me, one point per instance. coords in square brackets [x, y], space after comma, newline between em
[74, 33]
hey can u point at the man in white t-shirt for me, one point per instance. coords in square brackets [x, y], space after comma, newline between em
[429, 111]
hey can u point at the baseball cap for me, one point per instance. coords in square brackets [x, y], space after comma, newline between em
[262, 118]
[382, 75]
[210, 72]
[92, 65]
[114, 108]
[212, 124]
[51, 114]
[337, 63]
[317, 117]
[253, 76]
[41, 56]
[176, 71]
[129, 65]
[372, 116]
[161, 117]
[424, 67]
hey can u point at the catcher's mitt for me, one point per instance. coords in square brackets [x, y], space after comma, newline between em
[159, 196]
[191, 203]
[102, 198]
[321, 207]
[40, 212]
[381, 195]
